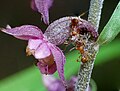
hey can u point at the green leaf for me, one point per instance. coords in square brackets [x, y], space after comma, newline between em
[112, 28]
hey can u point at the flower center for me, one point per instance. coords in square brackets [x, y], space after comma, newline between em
[48, 60]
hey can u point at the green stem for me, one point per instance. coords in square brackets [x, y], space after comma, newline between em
[95, 12]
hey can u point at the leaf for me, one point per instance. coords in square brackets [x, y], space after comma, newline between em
[112, 28]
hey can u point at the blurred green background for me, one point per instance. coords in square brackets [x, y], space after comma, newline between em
[18, 73]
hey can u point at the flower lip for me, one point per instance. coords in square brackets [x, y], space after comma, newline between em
[48, 60]
[45, 69]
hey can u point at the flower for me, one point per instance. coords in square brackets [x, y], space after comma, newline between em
[53, 84]
[50, 57]
[42, 6]
[43, 46]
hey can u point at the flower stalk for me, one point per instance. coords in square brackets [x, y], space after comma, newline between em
[95, 12]
[84, 74]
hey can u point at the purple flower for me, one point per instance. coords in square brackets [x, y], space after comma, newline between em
[42, 6]
[50, 57]
[43, 46]
[53, 84]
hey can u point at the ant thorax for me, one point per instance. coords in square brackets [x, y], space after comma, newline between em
[83, 36]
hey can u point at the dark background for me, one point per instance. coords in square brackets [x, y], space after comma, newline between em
[18, 12]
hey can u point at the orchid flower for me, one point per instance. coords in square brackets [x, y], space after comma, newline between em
[42, 6]
[53, 84]
[43, 46]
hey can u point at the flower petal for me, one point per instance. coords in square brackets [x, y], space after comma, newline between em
[42, 51]
[25, 32]
[33, 44]
[59, 60]
[52, 69]
[58, 31]
[48, 80]
[42, 6]
[52, 83]
[45, 69]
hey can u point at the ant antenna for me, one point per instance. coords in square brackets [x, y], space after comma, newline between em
[83, 14]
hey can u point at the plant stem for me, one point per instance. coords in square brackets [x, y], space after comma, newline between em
[84, 74]
[95, 12]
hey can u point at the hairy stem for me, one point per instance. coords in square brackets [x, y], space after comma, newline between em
[84, 74]
[95, 12]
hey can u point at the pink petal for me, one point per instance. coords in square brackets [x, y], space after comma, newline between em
[52, 69]
[52, 83]
[48, 80]
[33, 44]
[59, 60]
[45, 69]
[25, 32]
[42, 51]
[58, 31]
[42, 6]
